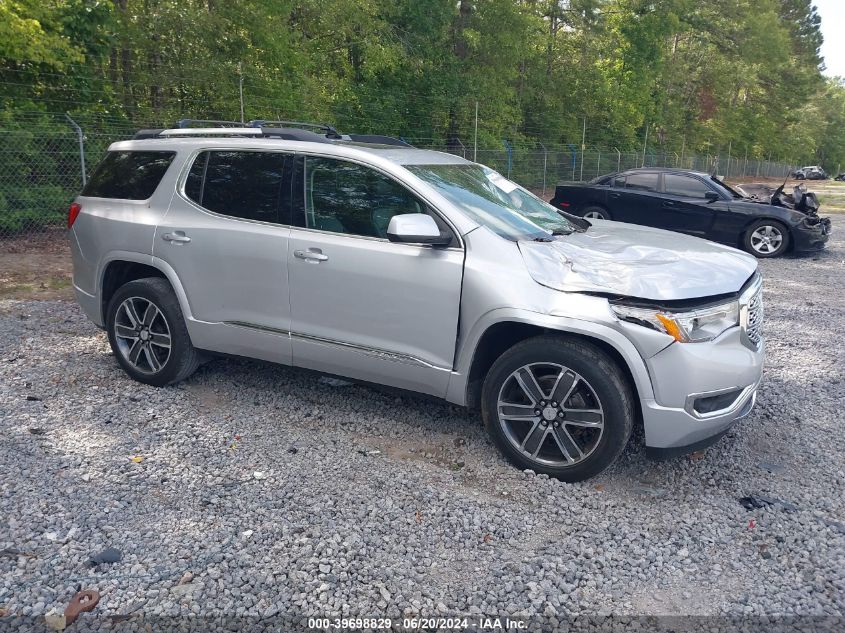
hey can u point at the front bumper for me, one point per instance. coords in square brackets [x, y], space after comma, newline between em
[701, 390]
[811, 238]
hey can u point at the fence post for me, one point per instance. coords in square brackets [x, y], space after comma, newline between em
[463, 148]
[81, 148]
[509, 151]
[645, 144]
[545, 161]
[598, 163]
[618, 159]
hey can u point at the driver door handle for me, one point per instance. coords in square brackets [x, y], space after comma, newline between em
[177, 236]
[312, 255]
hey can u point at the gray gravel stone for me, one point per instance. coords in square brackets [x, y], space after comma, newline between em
[369, 517]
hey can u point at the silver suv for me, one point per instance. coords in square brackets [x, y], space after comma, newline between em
[422, 271]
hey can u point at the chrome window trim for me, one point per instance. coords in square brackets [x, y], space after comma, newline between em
[404, 184]
[369, 351]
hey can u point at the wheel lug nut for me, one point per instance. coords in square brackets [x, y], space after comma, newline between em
[554, 404]
[536, 411]
[560, 414]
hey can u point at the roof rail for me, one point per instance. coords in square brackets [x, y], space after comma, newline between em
[211, 131]
[294, 134]
[184, 123]
[288, 130]
[330, 131]
[148, 133]
[378, 139]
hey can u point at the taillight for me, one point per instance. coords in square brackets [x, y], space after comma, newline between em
[563, 205]
[73, 213]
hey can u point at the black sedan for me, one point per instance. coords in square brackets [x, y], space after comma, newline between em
[697, 204]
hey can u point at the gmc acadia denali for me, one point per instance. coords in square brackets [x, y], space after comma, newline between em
[366, 258]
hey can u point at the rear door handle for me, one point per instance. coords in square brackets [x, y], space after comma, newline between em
[616, 195]
[312, 255]
[177, 236]
[667, 203]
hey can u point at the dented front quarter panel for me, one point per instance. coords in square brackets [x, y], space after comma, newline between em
[498, 288]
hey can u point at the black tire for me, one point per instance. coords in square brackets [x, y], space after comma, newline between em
[596, 211]
[602, 384]
[751, 243]
[181, 359]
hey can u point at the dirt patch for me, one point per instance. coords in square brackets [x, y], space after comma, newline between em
[36, 267]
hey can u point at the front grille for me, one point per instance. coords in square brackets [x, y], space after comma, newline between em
[754, 324]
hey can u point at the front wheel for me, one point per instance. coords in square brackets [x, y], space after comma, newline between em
[596, 212]
[766, 238]
[558, 406]
[148, 335]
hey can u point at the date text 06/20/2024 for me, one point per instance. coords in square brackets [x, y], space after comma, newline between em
[478, 623]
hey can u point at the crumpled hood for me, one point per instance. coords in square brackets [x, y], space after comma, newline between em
[637, 261]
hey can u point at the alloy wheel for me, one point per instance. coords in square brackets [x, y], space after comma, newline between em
[551, 414]
[596, 215]
[766, 239]
[142, 334]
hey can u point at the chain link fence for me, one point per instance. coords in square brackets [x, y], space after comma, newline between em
[45, 160]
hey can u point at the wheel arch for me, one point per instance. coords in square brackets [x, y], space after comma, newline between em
[594, 203]
[499, 335]
[119, 268]
[770, 218]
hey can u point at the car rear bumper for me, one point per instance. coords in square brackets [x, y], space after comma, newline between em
[90, 305]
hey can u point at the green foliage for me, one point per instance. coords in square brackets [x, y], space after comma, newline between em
[702, 76]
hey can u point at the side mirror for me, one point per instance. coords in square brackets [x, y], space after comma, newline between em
[416, 228]
[711, 196]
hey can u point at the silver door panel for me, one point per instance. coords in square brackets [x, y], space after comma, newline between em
[390, 310]
[232, 271]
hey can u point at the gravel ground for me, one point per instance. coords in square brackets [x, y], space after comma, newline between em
[257, 490]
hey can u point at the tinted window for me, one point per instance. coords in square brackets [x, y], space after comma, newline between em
[245, 185]
[684, 186]
[619, 181]
[641, 182]
[128, 175]
[345, 197]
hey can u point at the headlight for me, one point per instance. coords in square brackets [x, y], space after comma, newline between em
[693, 326]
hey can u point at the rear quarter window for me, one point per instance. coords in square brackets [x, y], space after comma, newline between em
[128, 175]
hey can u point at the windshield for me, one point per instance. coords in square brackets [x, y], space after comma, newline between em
[494, 201]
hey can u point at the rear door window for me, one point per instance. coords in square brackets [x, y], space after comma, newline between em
[684, 186]
[642, 182]
[241, 184]
[128, 175]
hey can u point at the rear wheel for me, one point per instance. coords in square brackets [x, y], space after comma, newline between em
[148, 334]
[558, 406]
[766, 238]
[596, 212]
